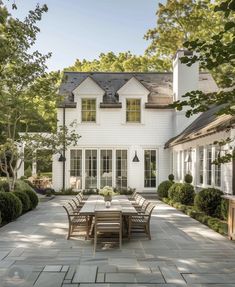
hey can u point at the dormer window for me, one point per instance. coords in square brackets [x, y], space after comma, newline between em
[133, 111]
[88, 110]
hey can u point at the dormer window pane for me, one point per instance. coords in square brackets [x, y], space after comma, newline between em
[133, 111]
[88, 110]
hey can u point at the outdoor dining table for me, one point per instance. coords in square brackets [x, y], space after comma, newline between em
[96, 203]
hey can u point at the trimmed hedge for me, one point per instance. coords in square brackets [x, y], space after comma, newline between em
[163, 188]
[182, 193]
[224, 206]
[208, 200]
[10, 206]
[24, 198]
[4, 186]
[33, 198]
[188, 178]
[21, 185]
[214, 223]
[171, 177]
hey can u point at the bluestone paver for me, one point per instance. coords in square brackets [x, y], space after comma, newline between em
[181, 250]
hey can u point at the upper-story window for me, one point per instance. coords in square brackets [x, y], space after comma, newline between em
[88, 110]
[133, 112]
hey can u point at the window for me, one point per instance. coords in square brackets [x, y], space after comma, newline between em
[88, 110]
[105, 168]
[121, 168]
[200, 164]
[76, 169]
[133, 110]
[150, 168]
[209, 165]
[91, 169]
[186, 162]
[217, 168]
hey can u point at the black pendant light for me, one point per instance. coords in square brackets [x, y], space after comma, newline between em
[135, 159]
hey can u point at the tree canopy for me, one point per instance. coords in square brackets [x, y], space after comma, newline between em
[180, 21]
[28, 94]
[121, 62]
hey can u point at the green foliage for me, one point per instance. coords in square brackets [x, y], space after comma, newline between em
[216, 53]
[22, 185]
[124, 191]
[122, 62]
[163, 188]
[33, 198]
[180, 21]
[214, 223]
[171, 177]
[4, 185]
[182, 193]
[209, 201]
[24, 198]
[28, 172]
[10, 206]
[188, 178]
[224, 207]
[67, 191]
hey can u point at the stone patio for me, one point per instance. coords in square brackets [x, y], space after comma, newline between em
[34, 252]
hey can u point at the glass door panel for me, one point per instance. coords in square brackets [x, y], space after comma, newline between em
[121, 168]
[105, 168]
[90, 169]
[150, 168]
[76, 169]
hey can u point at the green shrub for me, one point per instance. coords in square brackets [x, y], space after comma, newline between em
[163, 188]
[4, 185]
[224, 209]
[10, 206]
[0, 218]
[28, 171]
[171, 177]
[209, 201]
[24, 198]
[33, 198]
[22, 185]
[182, 192]
[188, 178]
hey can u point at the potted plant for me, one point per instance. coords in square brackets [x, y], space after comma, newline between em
[107, 192]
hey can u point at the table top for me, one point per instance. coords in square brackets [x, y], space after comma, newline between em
[97, 203]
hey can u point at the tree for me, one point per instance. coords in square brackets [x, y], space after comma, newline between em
[26, 91]
[122, 62]
[180, 21]
[215, 53]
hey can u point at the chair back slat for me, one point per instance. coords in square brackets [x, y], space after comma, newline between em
[149, 209]
[73, 205]
[108, 216]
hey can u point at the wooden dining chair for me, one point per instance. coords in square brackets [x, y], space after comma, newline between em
[141, 222]
[108, 222]
[76, 222]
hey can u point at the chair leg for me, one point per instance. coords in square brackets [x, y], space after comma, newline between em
[148, 230]
[129, 228]
[69, 232]
[95, 240]
[120, 239]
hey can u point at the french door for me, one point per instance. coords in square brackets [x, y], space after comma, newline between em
[96, 168]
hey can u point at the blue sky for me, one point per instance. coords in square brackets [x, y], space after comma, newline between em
[84, 28]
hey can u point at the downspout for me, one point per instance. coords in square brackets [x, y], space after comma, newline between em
[63, 176]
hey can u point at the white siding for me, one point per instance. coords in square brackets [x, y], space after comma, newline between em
[226, 169]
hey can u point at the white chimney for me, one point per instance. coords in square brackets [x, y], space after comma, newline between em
[185, 79]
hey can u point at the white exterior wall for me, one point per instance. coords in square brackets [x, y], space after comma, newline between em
[112, 132]
[226, 169]
[185, 79]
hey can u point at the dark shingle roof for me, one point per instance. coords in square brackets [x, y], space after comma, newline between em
[158, 84]
[207, 123]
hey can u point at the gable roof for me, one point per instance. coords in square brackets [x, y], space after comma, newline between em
[158, 84]
[207, 123]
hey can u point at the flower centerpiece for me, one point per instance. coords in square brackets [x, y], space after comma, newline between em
[107, 192]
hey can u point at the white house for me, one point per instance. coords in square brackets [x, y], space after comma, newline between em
[125, 121]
